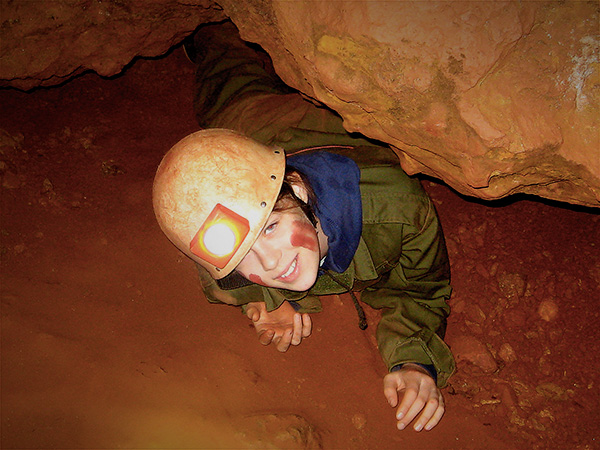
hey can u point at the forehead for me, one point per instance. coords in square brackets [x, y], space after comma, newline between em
[287, 210]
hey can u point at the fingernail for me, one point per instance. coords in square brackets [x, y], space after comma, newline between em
[400, 415]
[401, 426]
[418, 427]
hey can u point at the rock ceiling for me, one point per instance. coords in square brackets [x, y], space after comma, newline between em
[494, 98]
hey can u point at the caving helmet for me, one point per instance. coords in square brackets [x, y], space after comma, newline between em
[213, 193]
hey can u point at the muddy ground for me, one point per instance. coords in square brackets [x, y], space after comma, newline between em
[108, 343]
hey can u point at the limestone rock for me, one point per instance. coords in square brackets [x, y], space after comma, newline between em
[494, 98]
[469, 349]
[548, 310]
[507, 353]
[46, 43]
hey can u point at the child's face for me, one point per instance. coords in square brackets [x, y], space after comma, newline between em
[286, 254]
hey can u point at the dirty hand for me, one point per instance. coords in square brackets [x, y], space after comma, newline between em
[282, 326]
[420, 395]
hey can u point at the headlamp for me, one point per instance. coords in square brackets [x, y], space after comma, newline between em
[220, 236]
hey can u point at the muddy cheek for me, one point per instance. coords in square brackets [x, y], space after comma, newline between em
[256, 279]
[303, 235]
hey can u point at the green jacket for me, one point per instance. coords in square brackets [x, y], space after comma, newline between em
[401, 266]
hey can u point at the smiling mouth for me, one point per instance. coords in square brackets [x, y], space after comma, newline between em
[290, 269]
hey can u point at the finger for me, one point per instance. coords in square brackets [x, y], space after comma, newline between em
[409, 407]
[437, 416]
[283, 343]
[265, 337]
[306, 325]
[253, 313]
[429, 410]
[297, 330]
[390, 390]
[415, 408]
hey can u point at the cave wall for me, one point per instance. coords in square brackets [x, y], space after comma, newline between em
[46, 42]
[494, 98]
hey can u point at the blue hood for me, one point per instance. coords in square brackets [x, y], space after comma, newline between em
[335, 181]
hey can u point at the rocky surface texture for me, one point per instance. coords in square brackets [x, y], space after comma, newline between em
[495, 98]
[44, 43]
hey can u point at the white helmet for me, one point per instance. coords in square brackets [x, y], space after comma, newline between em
[213, 193]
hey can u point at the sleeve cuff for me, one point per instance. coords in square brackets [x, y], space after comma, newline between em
[428, 367]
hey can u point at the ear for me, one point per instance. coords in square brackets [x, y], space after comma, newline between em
[300, 190]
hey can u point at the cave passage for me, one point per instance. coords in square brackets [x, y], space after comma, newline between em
[108, 343]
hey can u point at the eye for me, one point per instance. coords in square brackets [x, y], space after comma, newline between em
[270, 228]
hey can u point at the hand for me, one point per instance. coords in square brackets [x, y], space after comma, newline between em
[420, 394]
[282, 326]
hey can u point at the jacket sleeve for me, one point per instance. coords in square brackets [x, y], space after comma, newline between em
[413, 294]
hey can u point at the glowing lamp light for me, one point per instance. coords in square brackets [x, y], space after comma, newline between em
[220, 236]
[219, 239]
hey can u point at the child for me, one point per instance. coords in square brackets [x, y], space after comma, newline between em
[273, 232]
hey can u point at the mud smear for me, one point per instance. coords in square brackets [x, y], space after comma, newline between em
[108, 343]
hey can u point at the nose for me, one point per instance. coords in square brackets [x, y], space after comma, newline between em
[268, 255]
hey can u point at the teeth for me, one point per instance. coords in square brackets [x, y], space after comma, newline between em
[290, 270]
